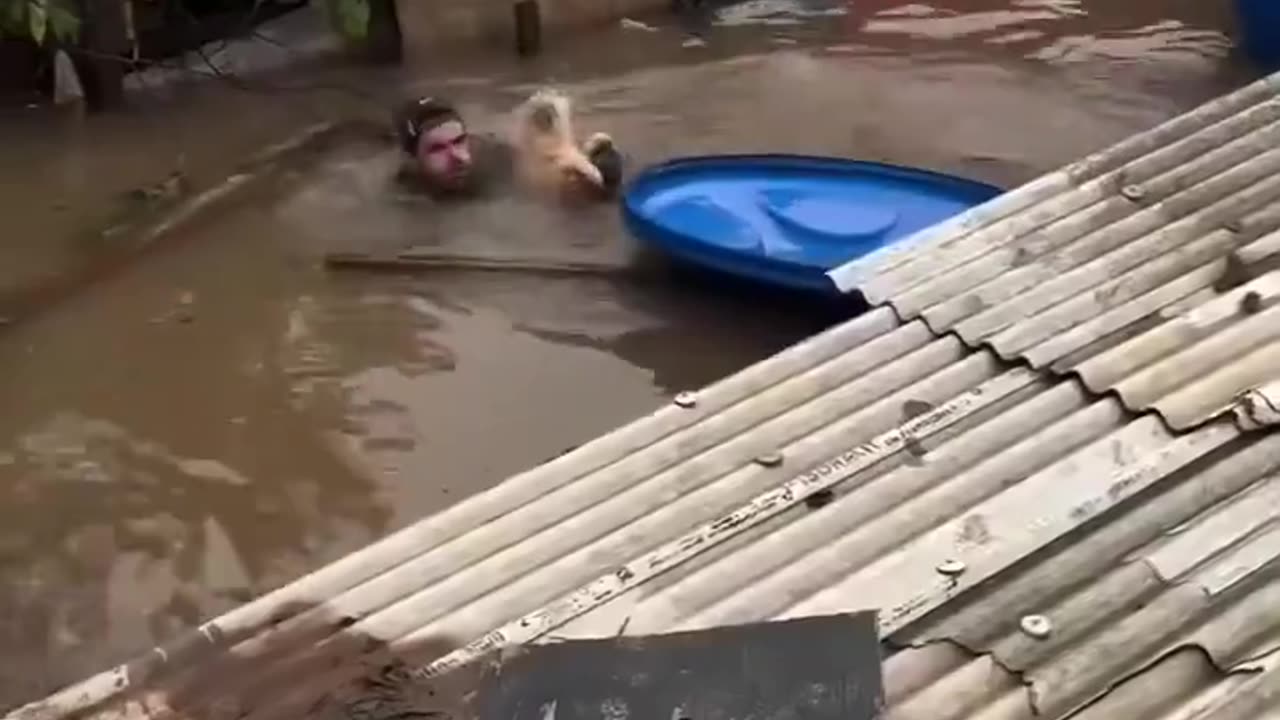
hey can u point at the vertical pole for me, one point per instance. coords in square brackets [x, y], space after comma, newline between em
[105, 38]
[528, 19]
[385, 42]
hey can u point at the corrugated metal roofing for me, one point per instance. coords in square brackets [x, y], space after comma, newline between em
[1034, 548]
[1148, 589]
[948, 471]
[1149, 268]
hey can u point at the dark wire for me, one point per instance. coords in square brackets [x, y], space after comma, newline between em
[245, 29]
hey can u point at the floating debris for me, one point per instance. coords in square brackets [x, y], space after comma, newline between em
[67, 88]
[629, 24]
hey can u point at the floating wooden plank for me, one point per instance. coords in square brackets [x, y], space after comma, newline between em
[418, 261]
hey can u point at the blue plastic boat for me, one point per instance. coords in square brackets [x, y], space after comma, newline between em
[786, 220]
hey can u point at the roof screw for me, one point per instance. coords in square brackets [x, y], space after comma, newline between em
[769, 460]
[1036, 626]
[1234, 225]
[952, 568]
[1251, 303]
[686, 400]
[1133, 192]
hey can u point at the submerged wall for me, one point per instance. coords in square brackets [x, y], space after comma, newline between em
[18, 62]
[431, 23]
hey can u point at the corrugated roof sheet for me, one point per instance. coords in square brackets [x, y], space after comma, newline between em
[1152, 587]
[1149, 269]
[943, 470]
[1034, 548]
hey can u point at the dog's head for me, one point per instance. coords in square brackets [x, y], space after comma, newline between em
[546, 115]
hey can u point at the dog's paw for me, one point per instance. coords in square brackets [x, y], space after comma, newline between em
[598, 142]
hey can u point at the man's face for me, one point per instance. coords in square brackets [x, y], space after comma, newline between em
[444, 154]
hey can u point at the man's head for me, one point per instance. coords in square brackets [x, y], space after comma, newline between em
[432, 133]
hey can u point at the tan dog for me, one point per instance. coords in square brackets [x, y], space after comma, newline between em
[548, 159]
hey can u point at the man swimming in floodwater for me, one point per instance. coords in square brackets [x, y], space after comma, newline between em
[441, 156]
[444, 159]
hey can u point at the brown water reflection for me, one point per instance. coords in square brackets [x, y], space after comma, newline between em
[226, 415]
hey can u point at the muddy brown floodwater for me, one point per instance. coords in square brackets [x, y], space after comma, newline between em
[224, 415]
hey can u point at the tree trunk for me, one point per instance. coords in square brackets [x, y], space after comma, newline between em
[527, 17]
[385, 43]
[106, 45]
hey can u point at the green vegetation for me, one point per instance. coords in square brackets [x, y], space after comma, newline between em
[45, 21]
[40, 20]
[349, 17]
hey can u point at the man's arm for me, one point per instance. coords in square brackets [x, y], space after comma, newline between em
[577, 166]
[495, 160]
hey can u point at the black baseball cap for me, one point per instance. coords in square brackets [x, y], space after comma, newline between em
[419, 116]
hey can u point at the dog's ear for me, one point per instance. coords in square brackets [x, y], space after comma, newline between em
[598, 142]
[609, 162]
